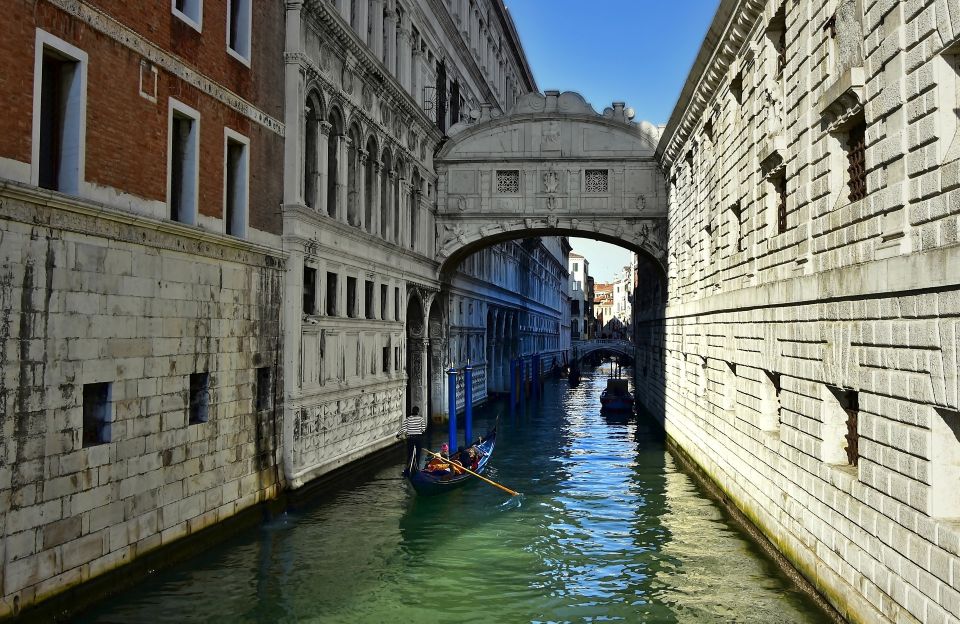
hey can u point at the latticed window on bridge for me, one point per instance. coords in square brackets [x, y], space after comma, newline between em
[856, 161]
[508, 181]
[595, 181]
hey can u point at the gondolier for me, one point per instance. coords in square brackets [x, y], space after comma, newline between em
[412, 428]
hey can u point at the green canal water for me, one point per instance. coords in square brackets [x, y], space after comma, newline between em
[607, 529]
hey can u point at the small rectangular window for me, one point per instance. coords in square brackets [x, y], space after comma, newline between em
[309, 290]
[190, 11]
[264, 389]
[396, 304]
[238, 28]
[856, 161]
[385, 359]
[508, 181]
[199, 397]
[60, 101]
[384, 299]
[96, 414]
[595, 181]
[184, 162]
[368, 299]
[778, 189]
[352, 297]
[236, 184]
[331, 294]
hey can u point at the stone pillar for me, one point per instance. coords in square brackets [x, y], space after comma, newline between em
[417, 369]
[363, 9]
[463, 18]
[376, 35]
[343, 153]
[374, 225]
[323, 145]
[416, 74]
[294, 97]
[362, 189]
[390, 54]
[406, 53]
[399, 219]
[391, 192]
[343, 7]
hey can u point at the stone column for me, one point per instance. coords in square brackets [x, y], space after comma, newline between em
[343, 6]
[294, 97]
[416, 74]
[362, 189]
[374, 225]
[463, 17]
[417, 370]
[343, 153]
[376, 36]
[323, 144]
[363, 9]
[391, 192]
[390, 54]
[406, 53]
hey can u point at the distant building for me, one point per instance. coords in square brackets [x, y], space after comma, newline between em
[579, 278]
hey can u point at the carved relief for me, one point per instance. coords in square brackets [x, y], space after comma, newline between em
[551, 182]
[551, 135]
[367, 98]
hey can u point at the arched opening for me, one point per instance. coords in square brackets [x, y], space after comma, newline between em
[386, 170]
[334, 151]
[414, 207]
[438, 358]
[397, 191]
[311, 156]
[370, 187]
[354, 149]
[416, 355]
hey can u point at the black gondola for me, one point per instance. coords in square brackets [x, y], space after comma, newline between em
[427, 482]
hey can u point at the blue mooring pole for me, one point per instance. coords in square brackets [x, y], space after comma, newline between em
[536, 376]
[468, 407]
[452, 392]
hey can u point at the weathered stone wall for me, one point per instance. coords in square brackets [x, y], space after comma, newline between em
[91, 295]
[801, 335]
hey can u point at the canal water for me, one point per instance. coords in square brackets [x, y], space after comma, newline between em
[607, 529]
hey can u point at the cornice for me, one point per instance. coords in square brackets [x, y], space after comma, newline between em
[726, 36]
[176, 234]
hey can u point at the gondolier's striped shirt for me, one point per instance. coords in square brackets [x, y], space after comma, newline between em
[413, 425]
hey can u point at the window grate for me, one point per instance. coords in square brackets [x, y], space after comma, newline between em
[508, 181]
[780, 184]
[595, 181]
[853, 438]
[781, 52]
[856, 162]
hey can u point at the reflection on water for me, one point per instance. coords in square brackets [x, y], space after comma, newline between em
[607, 529]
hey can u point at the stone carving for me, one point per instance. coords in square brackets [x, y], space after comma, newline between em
[367, 98]
[774, 109]
[641, 203]
[552, 221]
[411, 139]
[461, 203]
[311, 247]
[552, 202]
[551, 135]
[551, 182]
[347, 80]
[452, 233]
[848, 28]
[384, 114]
[575, 223]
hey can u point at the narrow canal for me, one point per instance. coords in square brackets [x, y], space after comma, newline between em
[608, 529]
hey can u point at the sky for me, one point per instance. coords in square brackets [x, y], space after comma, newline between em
[637, 52]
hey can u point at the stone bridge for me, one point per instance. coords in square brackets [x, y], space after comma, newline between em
[583, 348]
[551, 166]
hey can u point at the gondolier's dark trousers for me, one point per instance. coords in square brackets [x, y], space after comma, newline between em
[414, 444]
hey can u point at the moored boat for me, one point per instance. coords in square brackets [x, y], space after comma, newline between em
[616, 396]
[427, 481]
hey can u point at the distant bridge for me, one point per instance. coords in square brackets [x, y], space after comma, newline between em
[584, 348]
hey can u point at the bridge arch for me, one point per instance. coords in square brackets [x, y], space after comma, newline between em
[551, 166]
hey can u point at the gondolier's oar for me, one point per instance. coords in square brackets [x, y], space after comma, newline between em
[479, 476]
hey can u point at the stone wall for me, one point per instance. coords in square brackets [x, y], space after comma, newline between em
[807, 358]
[88, 296]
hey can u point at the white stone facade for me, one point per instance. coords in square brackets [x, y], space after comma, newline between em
[807, 356]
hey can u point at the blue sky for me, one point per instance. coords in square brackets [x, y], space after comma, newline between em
[638, 52]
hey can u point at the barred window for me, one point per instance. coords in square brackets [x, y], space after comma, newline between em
[595, 181]
[856, 162]
[508, 181]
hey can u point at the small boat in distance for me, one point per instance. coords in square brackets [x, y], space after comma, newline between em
[427, 481]
[616, 397]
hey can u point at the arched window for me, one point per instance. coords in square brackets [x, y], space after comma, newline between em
[311, 173]
[397, 195]
[371, 170]
[353, 176]
[414, 208]
[333, 162]
[385, 180]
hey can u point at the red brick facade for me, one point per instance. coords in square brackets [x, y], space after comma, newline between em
[126, 133]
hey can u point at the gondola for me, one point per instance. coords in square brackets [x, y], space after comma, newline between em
[429, 483]
[616, 397]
